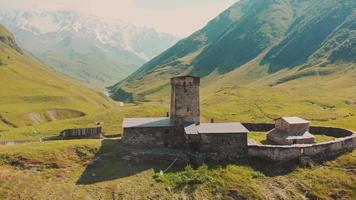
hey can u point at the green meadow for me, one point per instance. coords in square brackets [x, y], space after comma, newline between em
[36, 102]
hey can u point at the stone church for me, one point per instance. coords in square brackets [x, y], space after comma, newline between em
[182, 129]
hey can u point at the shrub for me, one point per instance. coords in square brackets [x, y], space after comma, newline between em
[188, 178]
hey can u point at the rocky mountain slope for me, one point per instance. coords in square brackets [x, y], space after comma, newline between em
[88, 48]
[266, 42]
[31, 93]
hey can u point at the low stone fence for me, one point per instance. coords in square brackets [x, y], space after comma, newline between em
[50, 138]
[258, 127]
[17, 142]
[316, 130]
[82, 133]
[345, 142]
[330, 131]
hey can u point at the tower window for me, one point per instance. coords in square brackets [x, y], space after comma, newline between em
[185, 90]
[188, 109]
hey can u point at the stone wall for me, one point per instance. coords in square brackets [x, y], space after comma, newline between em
[317, 151]
[82, 133]
[233, 143]
[260, 127]
[154, 137]
[346, 141]
[281, 124]
[315, 130]
[330, 131]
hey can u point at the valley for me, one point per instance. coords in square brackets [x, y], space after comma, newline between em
[67, 42]
[258, 60]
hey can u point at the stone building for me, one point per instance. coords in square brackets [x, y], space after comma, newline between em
[290, 130]
[183, 128]
[81, 133]
[185, 105]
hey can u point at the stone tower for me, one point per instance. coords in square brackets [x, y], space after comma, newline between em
[185, 105]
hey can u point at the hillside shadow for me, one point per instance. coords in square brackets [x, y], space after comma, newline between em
[109, 164]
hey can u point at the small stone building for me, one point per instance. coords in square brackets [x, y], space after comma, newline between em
[291, 130]
[82, 133]
[183, 128]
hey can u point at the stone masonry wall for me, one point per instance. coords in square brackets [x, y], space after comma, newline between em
[185, 99]
[228, 142]
[281, 124]
[316, 130]
[318, 151]
[81, 133]
[346, 141]
[154, 137]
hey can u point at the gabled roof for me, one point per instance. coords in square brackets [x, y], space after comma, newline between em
[147, 122]
[294, 120]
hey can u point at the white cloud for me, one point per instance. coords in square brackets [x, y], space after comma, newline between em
[180, 17]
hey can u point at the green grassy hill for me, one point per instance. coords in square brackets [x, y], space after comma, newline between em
[254, 42]
[37, 102]
[32, 94]
[90, 62]
[90, 169]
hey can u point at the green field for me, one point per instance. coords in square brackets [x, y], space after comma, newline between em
[94, 169]
[37, 102]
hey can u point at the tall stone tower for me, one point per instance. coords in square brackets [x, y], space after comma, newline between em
[185, 106]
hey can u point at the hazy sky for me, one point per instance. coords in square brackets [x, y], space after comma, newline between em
[179, 17]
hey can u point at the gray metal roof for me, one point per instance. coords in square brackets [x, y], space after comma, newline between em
[147, 122]
[295, 120]
[191, 129]
[233, 127]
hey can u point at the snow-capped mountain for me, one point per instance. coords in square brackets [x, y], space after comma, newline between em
[86, 47]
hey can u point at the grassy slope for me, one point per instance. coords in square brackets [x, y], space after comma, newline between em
[45, 170]
[83, 66]
[66, 169]
[29, 88]
[265, 38]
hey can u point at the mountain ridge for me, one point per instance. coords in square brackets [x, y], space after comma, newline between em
[32, 93]
[123, 47]
[271, 37]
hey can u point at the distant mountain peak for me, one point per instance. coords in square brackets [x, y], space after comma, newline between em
[257, 39]
[115, 33]
[86, 47]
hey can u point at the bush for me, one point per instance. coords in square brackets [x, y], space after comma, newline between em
[189, 178]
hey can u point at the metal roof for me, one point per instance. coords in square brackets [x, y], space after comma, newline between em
[295, 120]
[191, 129]
[147, 122]
[233, 127]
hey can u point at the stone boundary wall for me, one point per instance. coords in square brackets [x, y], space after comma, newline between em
[316, 130]
[50, 138]
[259, 127]
[17, 142]
[346, 141]
[82, 133]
